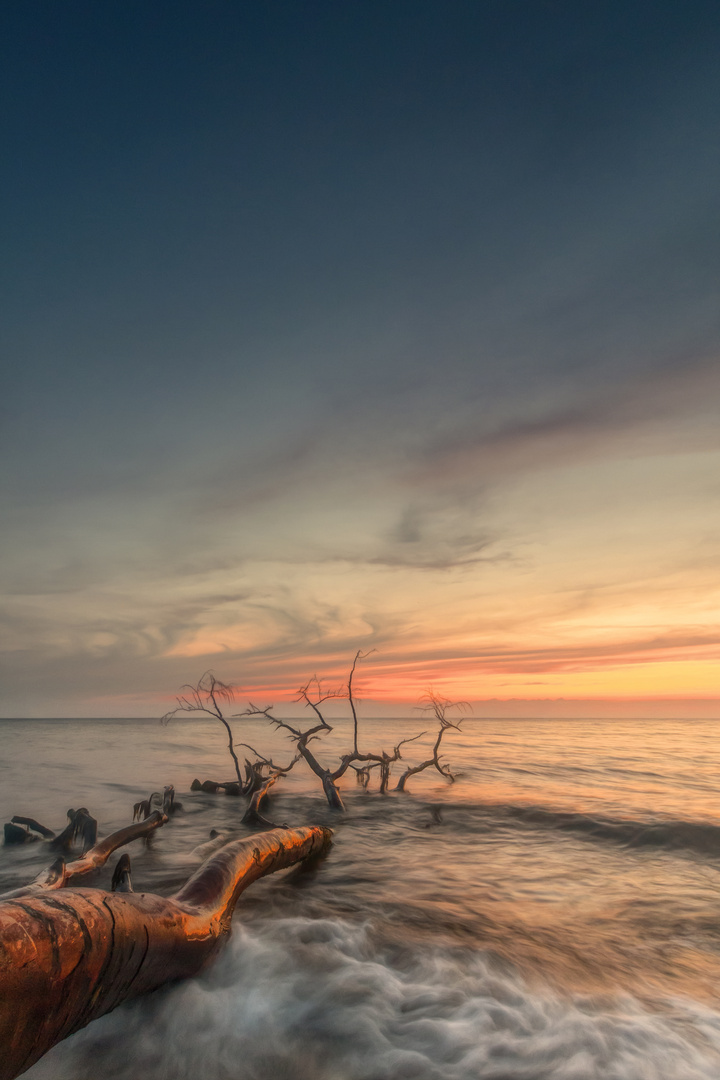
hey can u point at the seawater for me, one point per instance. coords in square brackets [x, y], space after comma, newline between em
[552, 915]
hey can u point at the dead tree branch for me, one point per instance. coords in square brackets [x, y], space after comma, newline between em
[313, 696]
[301, 738]
[33, 825]
[81, 826]
[252, 815]
[359, 655]
[439, 707]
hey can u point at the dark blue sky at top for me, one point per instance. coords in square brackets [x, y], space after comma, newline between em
[243, 239]
[190, 188]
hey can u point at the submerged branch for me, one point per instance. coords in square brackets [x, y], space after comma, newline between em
[439, 707]
[60, 873]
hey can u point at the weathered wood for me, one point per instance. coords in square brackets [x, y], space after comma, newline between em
[252, 815]
[121, 880]
[211, 787]
[67, 958]
[81, 824]
[47, 834]
[99, 855]
[59, 873]
[144, 808]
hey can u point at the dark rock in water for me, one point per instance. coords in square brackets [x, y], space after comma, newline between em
[16, 834]
[211, 787]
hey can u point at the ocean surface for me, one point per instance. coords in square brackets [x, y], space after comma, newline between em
[552, 915]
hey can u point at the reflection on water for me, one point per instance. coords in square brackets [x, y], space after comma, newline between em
[552, 914]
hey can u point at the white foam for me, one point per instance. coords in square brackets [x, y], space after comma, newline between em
[302, 999]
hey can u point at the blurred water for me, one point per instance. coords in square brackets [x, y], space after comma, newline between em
[554, 913]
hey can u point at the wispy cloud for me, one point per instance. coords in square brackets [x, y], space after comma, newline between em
[665, 410]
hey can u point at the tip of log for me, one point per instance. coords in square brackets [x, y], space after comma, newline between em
[214, 889]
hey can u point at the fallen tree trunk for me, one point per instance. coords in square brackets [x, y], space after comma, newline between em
[67, 958]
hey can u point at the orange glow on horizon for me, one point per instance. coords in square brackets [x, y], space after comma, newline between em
[623, 678]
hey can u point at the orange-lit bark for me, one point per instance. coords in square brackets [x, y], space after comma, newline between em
[69, 957]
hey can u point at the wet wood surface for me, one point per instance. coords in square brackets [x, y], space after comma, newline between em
[70, 955]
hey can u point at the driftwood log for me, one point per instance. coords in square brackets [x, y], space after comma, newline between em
[70, 956]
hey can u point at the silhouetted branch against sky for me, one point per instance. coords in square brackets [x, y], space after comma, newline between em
[204, 697]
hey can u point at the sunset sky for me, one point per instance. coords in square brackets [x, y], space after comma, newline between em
[364, 325]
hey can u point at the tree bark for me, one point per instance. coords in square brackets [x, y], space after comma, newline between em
[326, 777]
[252, 815]
[69, 957]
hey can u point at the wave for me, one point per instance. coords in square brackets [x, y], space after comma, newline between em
[304, 999]
[702, 838]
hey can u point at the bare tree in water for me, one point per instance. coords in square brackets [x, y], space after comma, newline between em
[262, 773]
[439, 707]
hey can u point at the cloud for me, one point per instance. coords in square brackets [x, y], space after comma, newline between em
[665, 410]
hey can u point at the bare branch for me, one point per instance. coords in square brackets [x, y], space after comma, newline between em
[411, 739]
[255, 710]
[301, 739]
[438, 706]
[203, 697]
[358, 656]
[303, 694]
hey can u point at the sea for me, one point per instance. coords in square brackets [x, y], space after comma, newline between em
[553, 914]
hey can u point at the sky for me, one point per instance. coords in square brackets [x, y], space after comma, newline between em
[389, 326]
